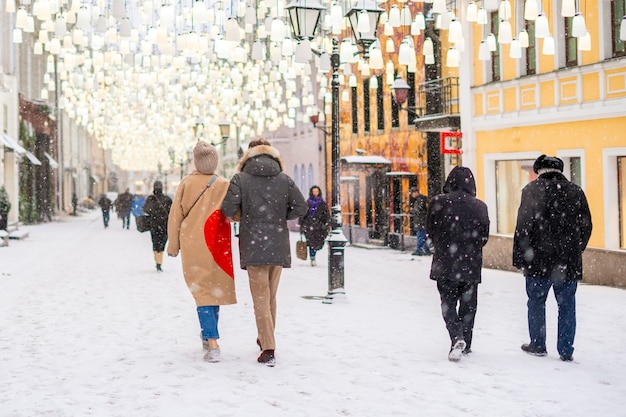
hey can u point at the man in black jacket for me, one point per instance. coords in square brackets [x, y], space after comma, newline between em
[458, 225]
[553, 228]
[418, 204]
[264, 198]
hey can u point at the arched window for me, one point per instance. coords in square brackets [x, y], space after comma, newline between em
[311, 176]
[296, 178]
[303, 187]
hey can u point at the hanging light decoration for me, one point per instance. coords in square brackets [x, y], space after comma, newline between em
[531, 10]
[579, 28]
[584, 42]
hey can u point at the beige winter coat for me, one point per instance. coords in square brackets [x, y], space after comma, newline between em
[203, 236]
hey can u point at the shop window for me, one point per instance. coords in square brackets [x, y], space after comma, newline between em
[511, 177]
[618, 11]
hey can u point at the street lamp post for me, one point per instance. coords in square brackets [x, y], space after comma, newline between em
[336, 240]
[304, 19]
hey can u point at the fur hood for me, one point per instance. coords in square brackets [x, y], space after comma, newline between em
[258, 151]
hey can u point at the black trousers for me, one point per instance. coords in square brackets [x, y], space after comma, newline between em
[159, 237]
[460, 323]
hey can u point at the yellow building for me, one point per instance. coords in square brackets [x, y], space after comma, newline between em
[550, 88]
[560, 101]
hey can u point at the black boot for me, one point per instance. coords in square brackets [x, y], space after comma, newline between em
[158, 266]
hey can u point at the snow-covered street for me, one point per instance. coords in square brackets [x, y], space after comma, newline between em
[89, 328]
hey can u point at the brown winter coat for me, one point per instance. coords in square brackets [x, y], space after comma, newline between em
[203, 236]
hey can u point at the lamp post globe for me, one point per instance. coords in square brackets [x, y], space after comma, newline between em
[363, 18]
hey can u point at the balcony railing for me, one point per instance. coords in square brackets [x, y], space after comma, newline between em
[439, 97]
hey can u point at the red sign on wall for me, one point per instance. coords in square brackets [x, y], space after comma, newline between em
[445, 147]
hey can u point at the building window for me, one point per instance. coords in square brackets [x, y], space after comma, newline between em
[355, 111]
[366, 105]
[311, 175]
[621, 191]
[303, 186]
[296, 177]
[395, 111]
[380, 104]
[511, 177]
[531, 51]
[571, 44]
[618, 11]
[495, 55]
[410, 79]
[573, 170]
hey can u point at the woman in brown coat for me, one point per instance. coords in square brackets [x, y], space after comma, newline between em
[198, 229]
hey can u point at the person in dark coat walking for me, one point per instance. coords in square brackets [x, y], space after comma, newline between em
[122, 204]
[552, 231]
[316, 222]
[74, 204]
[418, 206]
[263, 197]
[105, 205]
[458, 224]
[157, 207]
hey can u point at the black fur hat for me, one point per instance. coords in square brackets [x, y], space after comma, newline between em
[548, 162]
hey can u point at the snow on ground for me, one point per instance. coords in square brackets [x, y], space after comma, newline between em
[89, 328]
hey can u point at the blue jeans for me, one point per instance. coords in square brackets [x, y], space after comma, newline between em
[565, 294]
[312, 252]
[125, 220]
[422, 246]
[105, 217]
[209, 316]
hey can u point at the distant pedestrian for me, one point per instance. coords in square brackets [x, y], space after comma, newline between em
[105, 204]
[198, 229]
[264, 198]
[553, 229]
[136, 206]
[74, 204]
[157, 207]
[458, 224]
[316, 222]
[418, 204]
[122, 205]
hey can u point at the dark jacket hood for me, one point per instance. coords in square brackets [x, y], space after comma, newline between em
[261, 161]
[460, 179]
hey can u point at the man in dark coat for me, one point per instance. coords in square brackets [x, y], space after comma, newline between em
[418, 204]
[553, 228]
[122, 204]
[458, 224]
[105, 205]
[263, 197]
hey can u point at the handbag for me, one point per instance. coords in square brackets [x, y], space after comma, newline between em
[301, 248]
[143, 223]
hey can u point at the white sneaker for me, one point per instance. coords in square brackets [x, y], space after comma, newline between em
[313, 263]
[212, 355]
[457, 351]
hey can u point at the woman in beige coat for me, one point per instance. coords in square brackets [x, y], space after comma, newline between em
[198, 229]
